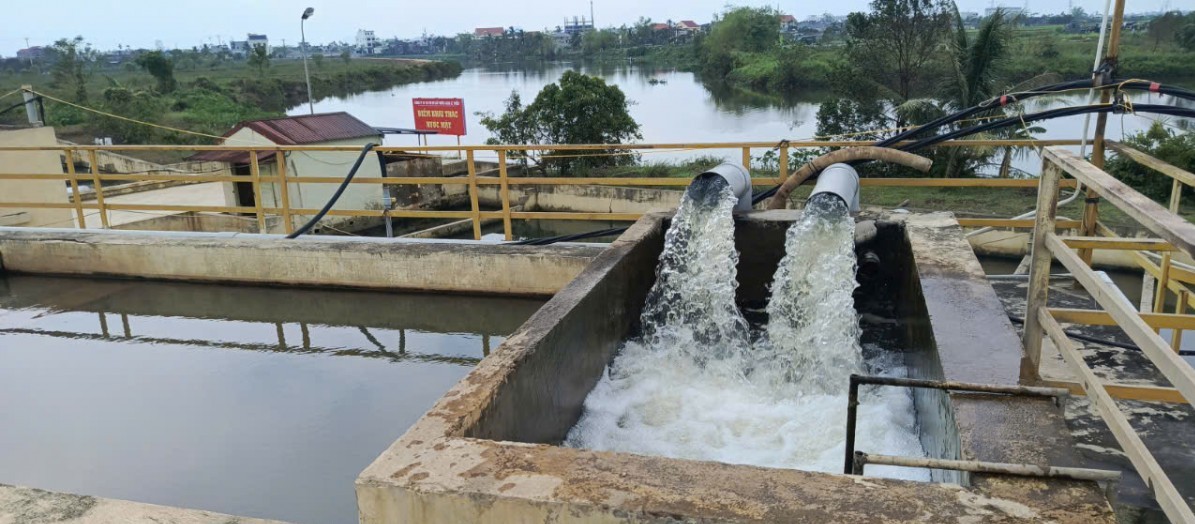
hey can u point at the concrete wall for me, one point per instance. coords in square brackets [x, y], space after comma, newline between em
[202, 223]
[414, 265]
[483, 453]
[41, 191]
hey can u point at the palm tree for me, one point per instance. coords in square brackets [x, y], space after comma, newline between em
[975, 65]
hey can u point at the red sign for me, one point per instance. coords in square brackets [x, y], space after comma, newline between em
[445, 116]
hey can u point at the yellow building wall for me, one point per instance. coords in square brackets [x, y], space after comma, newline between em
[301, 164]
[40, 191]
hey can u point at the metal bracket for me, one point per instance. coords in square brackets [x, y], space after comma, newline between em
[852, 408]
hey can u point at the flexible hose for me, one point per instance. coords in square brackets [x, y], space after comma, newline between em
[339, 191]
[850, 154]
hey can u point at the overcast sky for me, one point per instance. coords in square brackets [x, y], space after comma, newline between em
[188, 23]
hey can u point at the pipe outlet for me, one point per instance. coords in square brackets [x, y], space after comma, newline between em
[840, 180]
[739, 180]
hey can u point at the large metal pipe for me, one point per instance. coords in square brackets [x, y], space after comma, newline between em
[739, 180]
[842, 181]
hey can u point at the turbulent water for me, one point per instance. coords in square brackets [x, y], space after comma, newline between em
[698, 384]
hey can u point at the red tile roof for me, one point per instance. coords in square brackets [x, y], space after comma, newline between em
[787, 18]
[293, 130]
[489, 31]
[689, 24]
[308, 129]
[659, 26]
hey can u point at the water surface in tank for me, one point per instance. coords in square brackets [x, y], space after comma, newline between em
[246, 400]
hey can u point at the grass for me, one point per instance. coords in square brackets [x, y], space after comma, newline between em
[104, 76]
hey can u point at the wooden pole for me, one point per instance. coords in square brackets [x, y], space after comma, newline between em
[74, 181]
[475, 210]
[1039, 268]
[284, 191]
[255, 175]
[1091, 210]
[505, 188]
[99, 190]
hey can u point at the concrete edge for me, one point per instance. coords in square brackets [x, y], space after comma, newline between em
[22, 504]
[433, 474]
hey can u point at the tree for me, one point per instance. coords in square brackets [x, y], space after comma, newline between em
[1186, 36]
[68, 68]
[318, 58]
[741, 30]
[346, 57]
[259, 58]
[1165, 27]
[161, 68]
[594, 42]
[1177, 149]
[578, 109]
[892, 45]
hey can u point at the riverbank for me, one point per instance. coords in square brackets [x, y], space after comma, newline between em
[210, 100]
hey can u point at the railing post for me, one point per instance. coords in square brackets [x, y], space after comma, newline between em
[474, 208]
[1163, 284]
[505, 189]
[1039, 268]
[284, 191]
[747, 158]
[93, 159]
[255, 175]
[75, 195]
[783, 164]
[1176, 337]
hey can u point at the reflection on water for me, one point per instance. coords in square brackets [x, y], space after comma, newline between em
[680, 109]
[252, 401]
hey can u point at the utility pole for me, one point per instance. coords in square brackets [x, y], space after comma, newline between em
[303, 51]
[1091, 210]
[592, 23]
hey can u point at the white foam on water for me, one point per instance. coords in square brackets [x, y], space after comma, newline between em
[695, 385]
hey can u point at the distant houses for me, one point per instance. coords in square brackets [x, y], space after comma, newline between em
[489, 32]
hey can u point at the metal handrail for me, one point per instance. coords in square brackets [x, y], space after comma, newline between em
[473, 181]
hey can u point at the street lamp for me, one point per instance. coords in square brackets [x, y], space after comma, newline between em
[303, 51]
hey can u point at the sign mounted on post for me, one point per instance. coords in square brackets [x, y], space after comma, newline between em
[445, 116]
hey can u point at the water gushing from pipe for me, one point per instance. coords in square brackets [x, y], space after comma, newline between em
[695, 385]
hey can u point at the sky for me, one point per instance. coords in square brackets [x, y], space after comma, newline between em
[189, 23]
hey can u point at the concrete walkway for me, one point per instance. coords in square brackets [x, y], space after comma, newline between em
[20, 504]
[1164, 427]
[206, 194]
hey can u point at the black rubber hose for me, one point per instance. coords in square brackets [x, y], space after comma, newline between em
[1088, 338]
[571, 237]
[339, 191]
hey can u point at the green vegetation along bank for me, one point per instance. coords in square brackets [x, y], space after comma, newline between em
[207, 99]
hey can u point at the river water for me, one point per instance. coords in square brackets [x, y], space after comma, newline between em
[676, 107]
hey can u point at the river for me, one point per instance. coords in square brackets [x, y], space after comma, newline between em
[677, 107]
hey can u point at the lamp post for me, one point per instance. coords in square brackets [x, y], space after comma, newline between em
[303, 51]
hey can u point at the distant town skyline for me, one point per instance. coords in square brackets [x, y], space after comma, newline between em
[145, 23]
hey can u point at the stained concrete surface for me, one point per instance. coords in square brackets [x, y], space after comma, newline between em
[394, 264]
[1166, 428]
[21, 505]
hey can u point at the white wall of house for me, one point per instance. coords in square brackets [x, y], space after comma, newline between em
[315, 164]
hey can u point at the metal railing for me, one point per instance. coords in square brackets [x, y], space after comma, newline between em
[474, 181]
[1176, 234]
